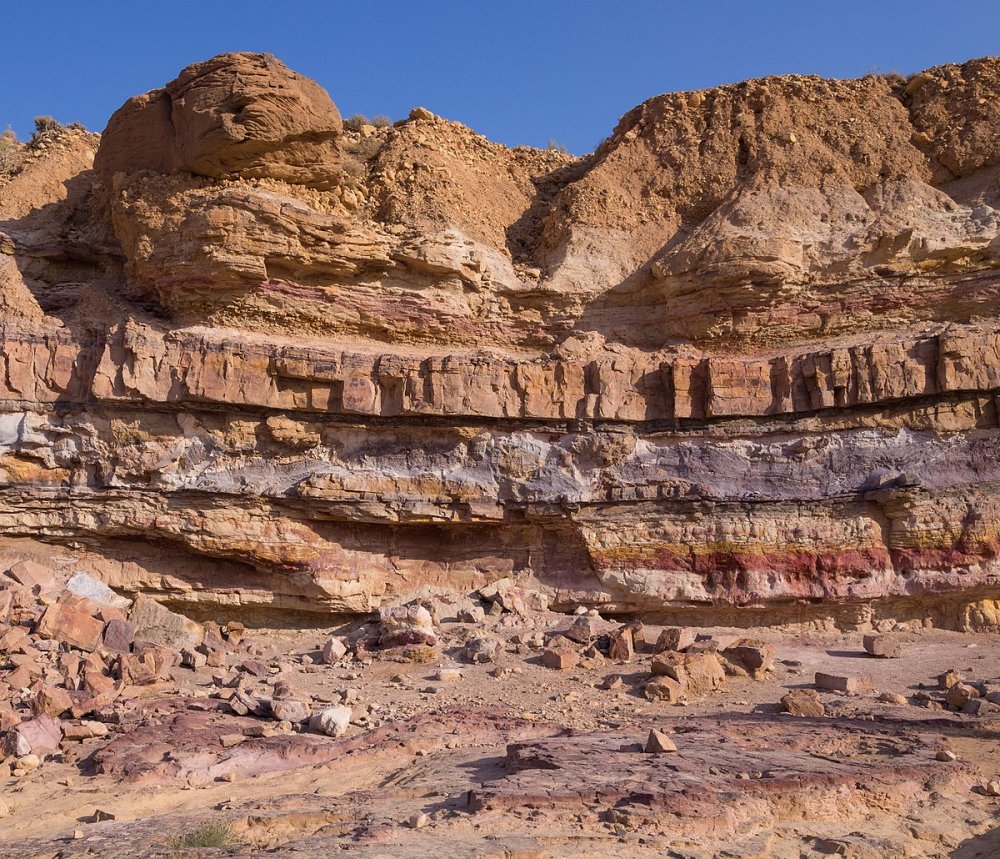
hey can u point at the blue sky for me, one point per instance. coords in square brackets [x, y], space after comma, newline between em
[518, 71]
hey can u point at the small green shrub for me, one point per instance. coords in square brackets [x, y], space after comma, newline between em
[212, 835]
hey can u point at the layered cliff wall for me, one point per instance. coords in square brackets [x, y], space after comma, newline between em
[740, 363]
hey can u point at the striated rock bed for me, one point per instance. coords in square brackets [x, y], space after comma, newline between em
[739, 365]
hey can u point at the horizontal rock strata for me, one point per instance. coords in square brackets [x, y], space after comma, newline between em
[740, 363]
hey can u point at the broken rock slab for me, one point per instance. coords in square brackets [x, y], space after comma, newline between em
[85, 585]
[34, 736]
[658, 743]
[674, 638]
[333, 651]
[32, 575]
[158, 624]
[803, 702]
[332, 721]
[406, 624]
[748, 658]
[560, 658]
[882, 646]
[65, 623]
[842, 683]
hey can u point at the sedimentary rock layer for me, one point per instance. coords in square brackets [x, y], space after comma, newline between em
[741, 361]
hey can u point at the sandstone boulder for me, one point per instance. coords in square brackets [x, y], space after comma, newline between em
[237, 114]
[35, 736]
[63, 622]
[658, 743]
[404, 625]
[674, 638]
[849, 685]
[560, 658]
[883, 646]
[158, 624]
[334, 650]
[803, 702]
[332, 721]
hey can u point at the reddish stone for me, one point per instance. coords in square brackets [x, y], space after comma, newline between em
[108, 613]
[32, 575]
[14, 639]
[52, 701]
[560, 658]
[749, 657]
[35, 736]
[803, 702]
[96, 682]
[674, 638]
[663, 689]
[848, 685]
[119, 635]
[69, 664]
[134, 668]
[66, 624]
[621, 645]
[883, 646]
[19, 678]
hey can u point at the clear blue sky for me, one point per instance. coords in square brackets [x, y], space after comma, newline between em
[518, 71]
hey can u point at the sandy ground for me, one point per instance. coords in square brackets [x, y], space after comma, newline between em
[441, 749]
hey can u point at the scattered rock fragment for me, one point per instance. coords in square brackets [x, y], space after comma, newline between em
[85, 585]
[84, 730]
[659, 743]
[621, 644]
[948, 679]
[407, 624]
[697, 673]
[334, 650]
[64, 622]
[32, 575]
[842, 683]
[803, 702]
[421, 113]
[482, 649]
[159, 625]
[882, 646]
[332, 721]
[472, 614]
[959, 694]
[560, 658]
[663, 688]
[748, 658]
[34, 736]
[674, 638]
[119, 636]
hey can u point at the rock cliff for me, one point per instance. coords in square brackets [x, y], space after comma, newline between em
[740, 364]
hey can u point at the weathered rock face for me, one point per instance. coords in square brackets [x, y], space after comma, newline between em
[234, 115]
[739, 363]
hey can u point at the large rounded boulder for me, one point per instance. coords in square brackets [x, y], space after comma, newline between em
[236, 114]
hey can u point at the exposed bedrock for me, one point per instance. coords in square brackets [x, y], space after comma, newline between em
[740, 363]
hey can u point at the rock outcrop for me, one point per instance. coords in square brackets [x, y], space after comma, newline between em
[738, 364]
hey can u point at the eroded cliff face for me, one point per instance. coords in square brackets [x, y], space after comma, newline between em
[738, 364]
